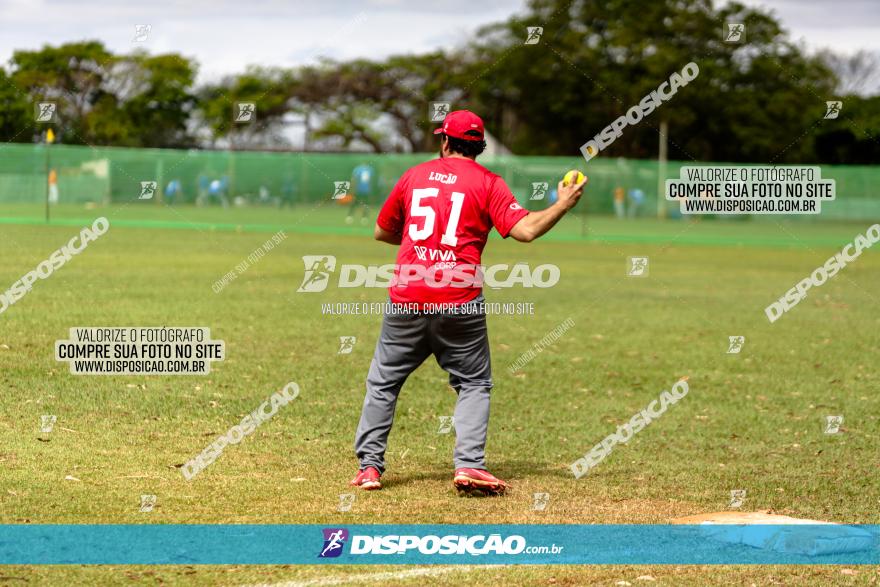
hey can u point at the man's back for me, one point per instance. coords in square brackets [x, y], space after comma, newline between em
[444, 210]
[440, 214]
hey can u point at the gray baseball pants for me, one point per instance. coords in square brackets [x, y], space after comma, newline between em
[460, 344]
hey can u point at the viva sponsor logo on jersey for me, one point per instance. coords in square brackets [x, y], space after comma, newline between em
[320, 268]
[444, 259]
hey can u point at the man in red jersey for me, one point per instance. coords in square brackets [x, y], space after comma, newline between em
[440, 213]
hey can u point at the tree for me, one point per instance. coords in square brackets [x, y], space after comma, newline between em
[857, 73]
[759, 100]
[106, 99]
[16, 117]
[72, 76]
[158, 102]
[269, 89]
[596, 60]
[382, 106]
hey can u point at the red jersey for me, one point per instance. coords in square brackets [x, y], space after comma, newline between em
[444, 210]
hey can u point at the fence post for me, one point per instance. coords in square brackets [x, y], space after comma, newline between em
[661, 171]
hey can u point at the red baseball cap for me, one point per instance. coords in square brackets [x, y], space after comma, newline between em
[458, 122]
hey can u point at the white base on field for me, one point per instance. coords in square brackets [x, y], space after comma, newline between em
[737, 517]
[831, 538]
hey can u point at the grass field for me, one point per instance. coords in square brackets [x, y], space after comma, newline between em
[751, 421]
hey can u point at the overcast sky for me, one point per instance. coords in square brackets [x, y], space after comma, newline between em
[225, 35]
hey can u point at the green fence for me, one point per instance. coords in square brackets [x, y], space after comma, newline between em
[111, 175]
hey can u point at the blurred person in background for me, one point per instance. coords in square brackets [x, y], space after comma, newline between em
[636, 199]
[363, 188]
[53, 186]
[217, 191]
[173, 190]
[619, 202]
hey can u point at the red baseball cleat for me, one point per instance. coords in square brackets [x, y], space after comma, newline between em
[367, 479]
[478, 482]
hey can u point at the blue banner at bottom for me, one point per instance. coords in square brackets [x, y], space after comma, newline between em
[422, 544]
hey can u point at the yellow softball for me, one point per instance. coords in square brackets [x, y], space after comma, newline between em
[572, 177]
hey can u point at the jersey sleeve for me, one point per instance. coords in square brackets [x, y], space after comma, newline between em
[391, 216]
[504, 210]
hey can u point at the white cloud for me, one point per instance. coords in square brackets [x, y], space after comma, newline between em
[842, 25]
[224, 36]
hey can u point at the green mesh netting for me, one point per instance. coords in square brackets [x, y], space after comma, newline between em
[111, 175]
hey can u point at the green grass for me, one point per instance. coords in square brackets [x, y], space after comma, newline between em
[751, 421]
[324, 218]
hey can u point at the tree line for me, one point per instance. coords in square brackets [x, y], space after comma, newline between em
[761, 99]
